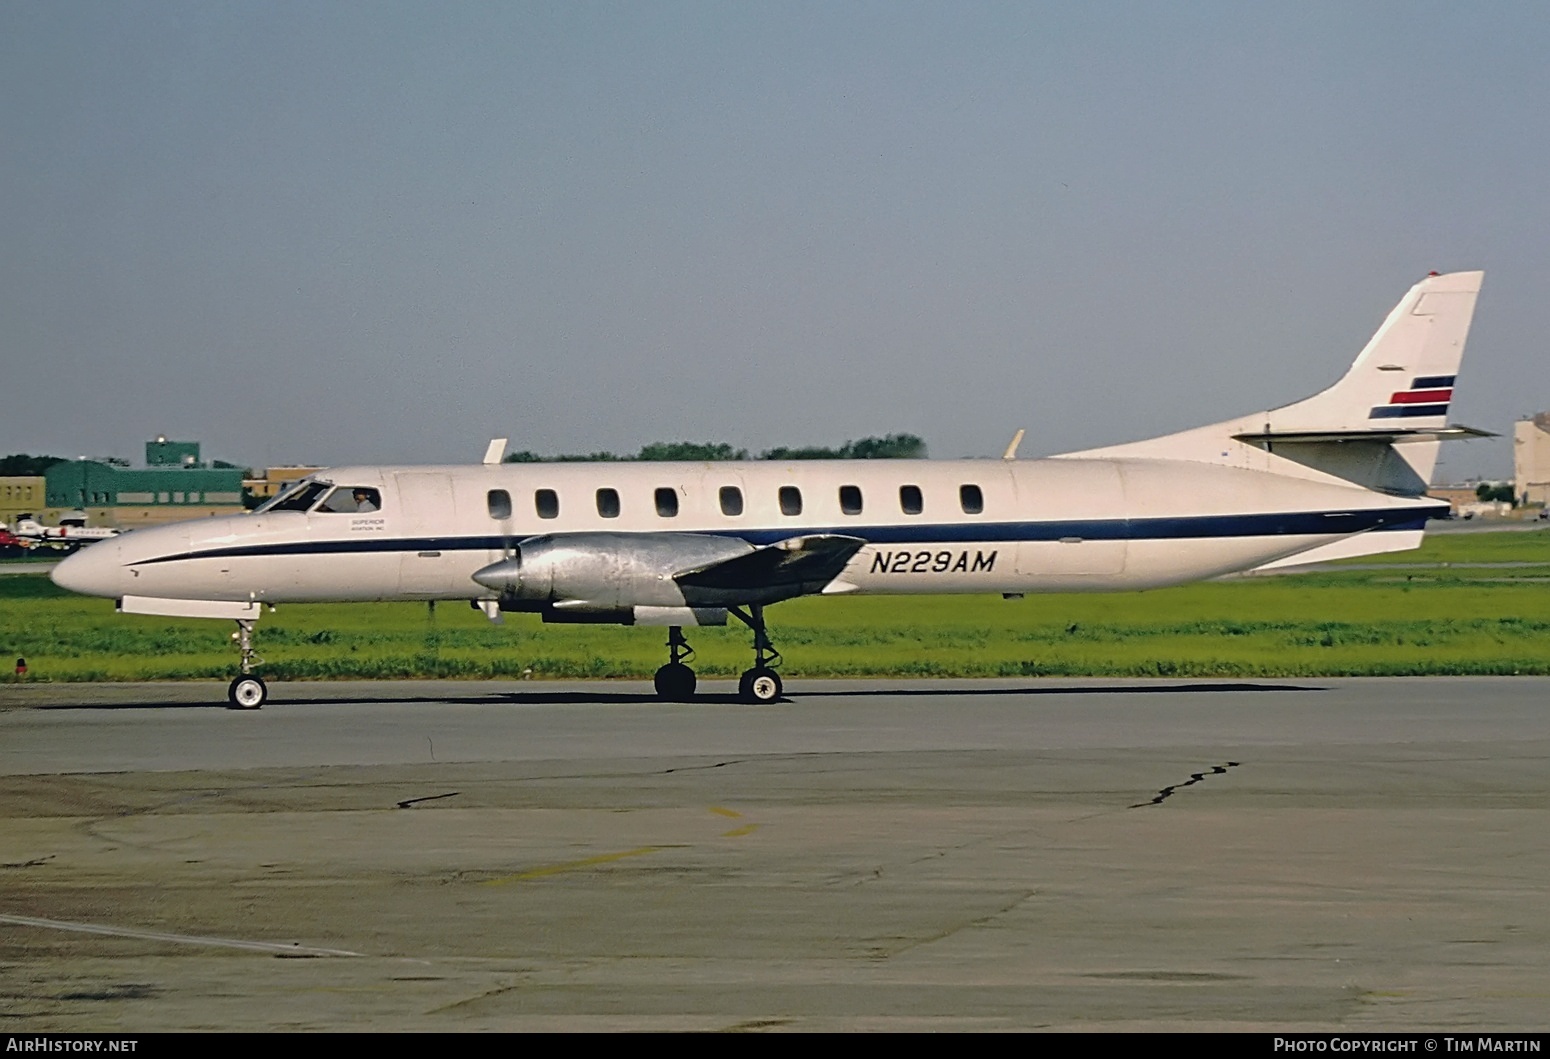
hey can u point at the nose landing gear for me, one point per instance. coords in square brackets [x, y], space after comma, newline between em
[247, 692]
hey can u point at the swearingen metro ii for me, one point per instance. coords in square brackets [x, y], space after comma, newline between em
[1342, 473]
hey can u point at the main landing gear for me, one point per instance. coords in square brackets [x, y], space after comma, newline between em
[760, 684]
[675, 682]
[247, 692]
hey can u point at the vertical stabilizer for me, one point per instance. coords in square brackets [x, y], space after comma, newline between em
[1404, 377]
[1398, 389]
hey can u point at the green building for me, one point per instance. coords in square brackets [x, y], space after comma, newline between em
[174, 487]
[164, 453]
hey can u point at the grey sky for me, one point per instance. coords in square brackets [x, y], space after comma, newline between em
[380, 232]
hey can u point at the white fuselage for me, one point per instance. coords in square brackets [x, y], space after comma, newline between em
[965, 526]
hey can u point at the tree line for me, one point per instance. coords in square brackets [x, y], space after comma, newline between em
[22, 465]
[888, 447]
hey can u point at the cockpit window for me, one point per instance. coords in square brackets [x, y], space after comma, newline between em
[298, 497]
[351, 500]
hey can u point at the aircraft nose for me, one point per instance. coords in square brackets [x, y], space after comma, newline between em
[95, 570]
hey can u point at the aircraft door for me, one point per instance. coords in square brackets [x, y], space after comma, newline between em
[428, 520]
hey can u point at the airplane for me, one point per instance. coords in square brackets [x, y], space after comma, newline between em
[1342, 473]
[10, 542]
[70, 534]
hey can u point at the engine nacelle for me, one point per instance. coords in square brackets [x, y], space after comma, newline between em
[604, 570]
[590, 615]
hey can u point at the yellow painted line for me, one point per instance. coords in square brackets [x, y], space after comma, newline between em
[721, 811]
[741, 831]
[573, 865]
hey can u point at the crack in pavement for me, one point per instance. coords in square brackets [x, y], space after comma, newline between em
[1194, 778]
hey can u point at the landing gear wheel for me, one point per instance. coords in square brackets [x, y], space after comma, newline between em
[247, 693]
[675, 682]
[759, 686]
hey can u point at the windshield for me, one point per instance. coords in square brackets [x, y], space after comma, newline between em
[298, 497]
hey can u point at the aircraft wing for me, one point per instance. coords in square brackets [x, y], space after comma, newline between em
[794, 567]
[621, 570]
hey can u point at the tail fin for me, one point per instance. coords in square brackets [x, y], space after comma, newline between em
[1378, 427]
[1405, 375]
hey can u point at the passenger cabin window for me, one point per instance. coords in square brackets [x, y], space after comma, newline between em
[351, 500]
[608, 503]
[731, 500]
[971, 498]
[547, 502]
[850, 499]
[500, 503]
[790, 500]
[667, 502]
[910, 500]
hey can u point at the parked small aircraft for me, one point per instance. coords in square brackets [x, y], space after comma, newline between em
[70, 534]
[10, 542]
[1339, 474]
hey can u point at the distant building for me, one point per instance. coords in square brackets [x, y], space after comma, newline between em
[164, 453]
[175, 486]
[1457, 496]
[1531, 459]
[21, 494]
[275, 479]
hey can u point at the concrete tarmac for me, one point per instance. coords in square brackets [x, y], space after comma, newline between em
[1345, 855]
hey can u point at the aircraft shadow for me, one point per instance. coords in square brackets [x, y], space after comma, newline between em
[1110, 689]
[557, 697]
[521, 698]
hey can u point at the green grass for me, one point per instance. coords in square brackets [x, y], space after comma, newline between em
[1442, 620]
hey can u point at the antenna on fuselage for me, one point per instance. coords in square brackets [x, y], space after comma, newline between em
[496, 452]
[1011, 449]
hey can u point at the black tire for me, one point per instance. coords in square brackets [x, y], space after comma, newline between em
[759, 686]
[247, 693]
[675, 682]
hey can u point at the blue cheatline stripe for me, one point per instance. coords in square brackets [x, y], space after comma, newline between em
[1270, 524]
[1405, 411]
[1432, 382]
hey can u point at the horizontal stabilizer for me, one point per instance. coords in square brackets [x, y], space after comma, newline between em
[1384, 437]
